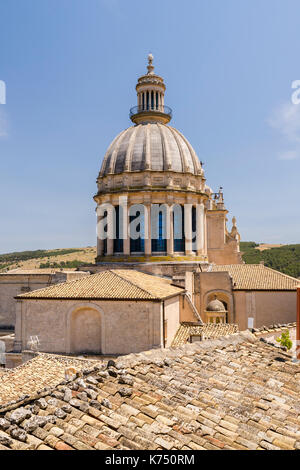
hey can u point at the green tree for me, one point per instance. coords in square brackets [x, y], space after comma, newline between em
[285, 340]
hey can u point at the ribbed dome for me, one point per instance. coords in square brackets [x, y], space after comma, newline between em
[215, 306]
[151, 146]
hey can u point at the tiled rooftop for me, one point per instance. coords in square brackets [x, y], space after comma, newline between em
[114, 284]
[44, 370]
[31, 271]
[257, 277]
[235, 392]
[205, 331]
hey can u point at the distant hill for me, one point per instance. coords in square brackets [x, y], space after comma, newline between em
[284, 258]
[68, 258]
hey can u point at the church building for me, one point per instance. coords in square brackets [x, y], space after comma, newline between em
[151, 173]
[166, 260]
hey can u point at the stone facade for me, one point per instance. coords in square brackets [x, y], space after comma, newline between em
[265, 307]
[19, 282]
[261, 305]
[101, 327]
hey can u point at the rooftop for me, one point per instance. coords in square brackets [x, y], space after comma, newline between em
[37, 271]
[44, 370]
[235, 392]
[119, 284]
[205, 331]
[257, 277]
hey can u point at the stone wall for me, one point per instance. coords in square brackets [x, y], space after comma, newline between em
[172, 316]
[221, 247]
[107, 327]
[12, 285]
[265, 307]
[207, 285]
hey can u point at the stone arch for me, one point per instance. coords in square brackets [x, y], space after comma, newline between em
[85, 326]
[225, 297]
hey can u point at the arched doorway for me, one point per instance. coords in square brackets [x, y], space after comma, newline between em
[85, 331]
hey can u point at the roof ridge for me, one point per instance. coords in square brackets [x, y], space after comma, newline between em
[130, 282]
[262, 266]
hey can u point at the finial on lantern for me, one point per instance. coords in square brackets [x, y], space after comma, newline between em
[150, 66]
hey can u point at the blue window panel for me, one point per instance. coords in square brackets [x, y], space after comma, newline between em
[118, 241]
[138, 245]
[194, 228]
[105, 231]
[159, 244]
[179, 243]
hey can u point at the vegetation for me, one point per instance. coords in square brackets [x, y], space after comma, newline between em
[285, 258]
[285, 340]
[3, 266]
[30, 259]
[63, 264]
[25, 255]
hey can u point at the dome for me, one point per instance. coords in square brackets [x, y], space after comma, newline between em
[215, 306]
[150, 146]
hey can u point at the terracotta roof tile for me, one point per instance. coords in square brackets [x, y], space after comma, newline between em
[205, 331]
[257, 277]
[235, 392]
[113, 284]
[44, 370]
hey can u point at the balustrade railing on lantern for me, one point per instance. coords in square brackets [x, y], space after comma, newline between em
[148, 108]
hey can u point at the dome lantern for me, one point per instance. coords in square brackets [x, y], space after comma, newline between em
[150, 98]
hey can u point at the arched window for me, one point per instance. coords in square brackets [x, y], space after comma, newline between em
[152, 99]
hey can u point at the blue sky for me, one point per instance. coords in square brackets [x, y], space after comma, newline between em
[70, 67]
